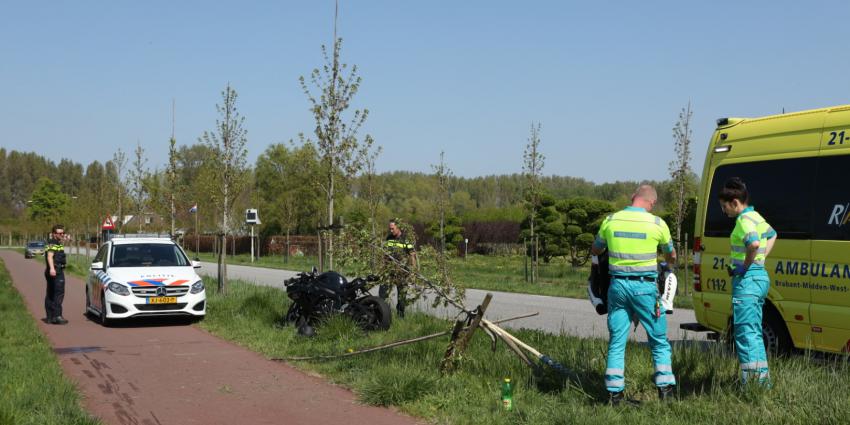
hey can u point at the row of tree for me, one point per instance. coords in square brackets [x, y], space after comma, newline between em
[304, 186]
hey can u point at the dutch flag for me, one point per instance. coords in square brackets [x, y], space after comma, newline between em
[194, 208]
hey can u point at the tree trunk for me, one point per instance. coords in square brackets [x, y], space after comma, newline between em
[331, 219]
[172, 216]
[533, 247]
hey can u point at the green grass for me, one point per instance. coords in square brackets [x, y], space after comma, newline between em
[33, 389]
[804, 390]
[494, 273]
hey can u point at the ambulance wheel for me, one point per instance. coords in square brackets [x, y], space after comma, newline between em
[777, 340]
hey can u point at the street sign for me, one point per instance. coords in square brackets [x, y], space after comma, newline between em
[108, 224]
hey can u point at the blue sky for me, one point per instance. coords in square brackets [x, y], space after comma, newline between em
[606, 79]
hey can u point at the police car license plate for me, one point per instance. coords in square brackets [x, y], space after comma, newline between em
[162, 300]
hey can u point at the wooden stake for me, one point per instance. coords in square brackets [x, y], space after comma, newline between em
[458, 344]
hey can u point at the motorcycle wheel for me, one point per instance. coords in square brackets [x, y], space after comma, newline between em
[292, 315]
[373, 314]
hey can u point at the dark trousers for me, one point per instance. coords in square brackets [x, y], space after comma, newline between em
[401, 293]
[55, 293]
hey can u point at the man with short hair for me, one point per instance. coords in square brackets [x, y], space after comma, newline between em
[402, 251]
[632, 237]
[54, 272]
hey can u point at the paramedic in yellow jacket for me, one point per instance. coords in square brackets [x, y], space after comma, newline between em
[633, 237]
[751, 242]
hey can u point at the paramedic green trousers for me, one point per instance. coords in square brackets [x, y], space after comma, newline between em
[748, 293]
[637, 299]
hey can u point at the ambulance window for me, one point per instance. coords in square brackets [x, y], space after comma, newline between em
[780, 190]
[831, 217]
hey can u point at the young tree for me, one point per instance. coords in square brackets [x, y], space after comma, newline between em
[373, 191]
[532, 170]
[227, 168]
[442, 174]
[680, 169]
[342, 154]
[172, 179]
[119, 160]
[136, 177]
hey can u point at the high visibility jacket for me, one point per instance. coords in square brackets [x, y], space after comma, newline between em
[58, 251]
[633, 237]
[399, 247]
[750, 227]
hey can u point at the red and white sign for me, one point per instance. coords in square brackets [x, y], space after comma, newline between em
[108, 224]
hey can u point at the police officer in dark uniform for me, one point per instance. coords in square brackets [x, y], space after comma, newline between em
[54, 257]
[400, 249]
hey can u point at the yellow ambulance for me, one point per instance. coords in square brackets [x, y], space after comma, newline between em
[797, 170]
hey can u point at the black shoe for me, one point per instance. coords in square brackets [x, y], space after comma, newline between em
[667, 393]
[59, 320]
[616, 399]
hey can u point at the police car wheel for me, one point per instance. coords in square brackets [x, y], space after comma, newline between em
[104, 321]
[88, 303]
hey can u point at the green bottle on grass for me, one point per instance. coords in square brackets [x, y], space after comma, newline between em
[507, 395]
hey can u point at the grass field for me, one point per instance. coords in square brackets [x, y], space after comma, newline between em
[804, 390]
[495, 273]
[33, 389]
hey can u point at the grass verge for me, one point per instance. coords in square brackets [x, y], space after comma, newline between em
[33, 389]
[804, 391]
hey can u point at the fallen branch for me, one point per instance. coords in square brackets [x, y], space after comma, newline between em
[388, 346]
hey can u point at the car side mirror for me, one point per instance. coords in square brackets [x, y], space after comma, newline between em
[196, 264]
[97, 265]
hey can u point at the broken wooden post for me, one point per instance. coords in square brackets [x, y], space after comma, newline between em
[459, 342]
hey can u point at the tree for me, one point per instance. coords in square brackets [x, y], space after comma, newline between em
[136, 177]
[95, 191]
[342, 154]
[227, 168]
[284, 181]
[373, 194]
[680, 169]
[172, 180]
[119, 160]
[442, 175]
[532, 170]
[549, 231]
[582, 217]
[48, 203]
[451, 230]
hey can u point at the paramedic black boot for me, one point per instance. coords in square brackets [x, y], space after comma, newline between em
[667, 394]
[615, 399]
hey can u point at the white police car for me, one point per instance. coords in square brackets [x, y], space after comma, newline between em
[143, 276]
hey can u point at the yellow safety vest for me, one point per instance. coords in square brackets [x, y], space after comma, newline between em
[750, 226]
[632, 237]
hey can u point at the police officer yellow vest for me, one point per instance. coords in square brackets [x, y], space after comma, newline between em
[633, 237]
[750, 227]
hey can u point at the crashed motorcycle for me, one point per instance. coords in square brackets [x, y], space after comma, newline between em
[600, 280]
[316, 296]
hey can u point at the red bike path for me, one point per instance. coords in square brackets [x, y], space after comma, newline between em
[167, 372]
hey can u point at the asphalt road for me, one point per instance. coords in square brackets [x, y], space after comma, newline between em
[572, 316]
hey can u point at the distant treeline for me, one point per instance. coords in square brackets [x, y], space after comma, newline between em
[283, 188]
